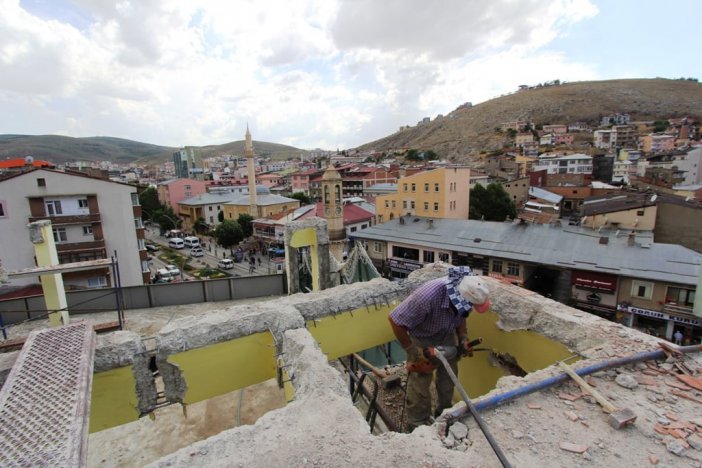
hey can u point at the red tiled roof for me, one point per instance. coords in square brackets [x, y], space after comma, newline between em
[352, 213]
[20, 162]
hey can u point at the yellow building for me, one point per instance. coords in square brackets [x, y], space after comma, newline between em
[266, 205]
[437, 193]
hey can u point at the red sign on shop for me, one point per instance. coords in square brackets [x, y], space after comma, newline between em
[596, 281]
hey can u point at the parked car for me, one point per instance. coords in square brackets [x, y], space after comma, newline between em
[163, 275]
[226, 264]
[175, 271]
[196, 252]
[152, 247]
[238, 256]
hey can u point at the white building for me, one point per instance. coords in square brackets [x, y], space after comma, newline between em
[571, 164]
[91, 219]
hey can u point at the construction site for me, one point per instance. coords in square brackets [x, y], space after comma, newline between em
[312, 379]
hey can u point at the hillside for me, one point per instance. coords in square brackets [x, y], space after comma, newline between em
[62, 149]
[463, 133]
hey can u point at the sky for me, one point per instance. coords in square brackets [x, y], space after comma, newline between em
[330, 74]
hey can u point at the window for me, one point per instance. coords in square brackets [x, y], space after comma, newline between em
[436, 206]
[41, 182]
[412, 204]
[680, 296]
[135, 199]
[97, 282]
[83, 203]
[188, 194]
[444, 257]
[426, 187]
[414, 187]
[378, 247]
[387, 204]
[211, 220]
[60, 234]
[436, 187]
[404, 187]
[188, 187]
[3, 211]
[394, 204]
[137, 223]
[426, 206]
[496, 266]
[639, 212]
[142, 244]
[353, 229]
[145, 266]
[209, 208]
[87, 230]
[404, 204]
[513, 269]
[428, 256]
[641, 289]
[363, 226]
[53, 207]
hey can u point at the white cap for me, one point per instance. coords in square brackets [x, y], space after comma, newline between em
[473, 289]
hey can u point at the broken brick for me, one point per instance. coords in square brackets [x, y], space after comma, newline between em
[533, 406]
[671, 416]
[585, 423]
[571, 447]
[568, 396]
[591, 381]
[571, 415]
[650, 372]
[653, 459]
[649, 381]
[679, 386]
[677, 433]
[660, 429]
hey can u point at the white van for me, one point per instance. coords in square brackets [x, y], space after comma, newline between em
[225, 264]
[176, 243]
[191, 241]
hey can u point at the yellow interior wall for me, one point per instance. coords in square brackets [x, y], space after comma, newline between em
[113, 399]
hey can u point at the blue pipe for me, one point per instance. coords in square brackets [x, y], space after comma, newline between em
[496, 400]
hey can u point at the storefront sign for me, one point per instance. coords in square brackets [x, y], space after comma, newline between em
[685, 320]
[598, 281]
[403, 266]
[648, 313]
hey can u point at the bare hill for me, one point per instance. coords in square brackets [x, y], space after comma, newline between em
[466, 131]
[61, 149]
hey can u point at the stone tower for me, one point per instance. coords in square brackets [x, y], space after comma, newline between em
[334, 210]
[251, 173]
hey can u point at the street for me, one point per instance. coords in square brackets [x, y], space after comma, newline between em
[212, 255]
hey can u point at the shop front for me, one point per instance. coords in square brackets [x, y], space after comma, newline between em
[664, 325]
[402, 268]
[595, 293]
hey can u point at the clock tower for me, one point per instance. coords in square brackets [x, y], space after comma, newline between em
[334, 210]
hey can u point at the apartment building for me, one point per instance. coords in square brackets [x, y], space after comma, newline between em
[657, 143]
[437, 193]
[91, 219]
[172, 192]
[300, 181]
[206, 206]
[570, 164]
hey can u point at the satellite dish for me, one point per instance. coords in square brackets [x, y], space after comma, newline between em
[28, 159]
[653, 198]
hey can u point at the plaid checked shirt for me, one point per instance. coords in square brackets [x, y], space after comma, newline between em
[426, 313]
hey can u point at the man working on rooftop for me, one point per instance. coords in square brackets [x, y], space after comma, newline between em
[435, 315]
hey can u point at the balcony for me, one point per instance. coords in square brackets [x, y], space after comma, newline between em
[65, 220]
[80, 246]
[673, 308]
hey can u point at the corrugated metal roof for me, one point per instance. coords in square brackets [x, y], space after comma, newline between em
[545, 195]
[569, 247]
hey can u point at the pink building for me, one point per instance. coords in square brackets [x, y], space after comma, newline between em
[271, 179]
[172, 192]
[300, 182]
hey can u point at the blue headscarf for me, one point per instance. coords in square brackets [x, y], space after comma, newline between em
[455, 275]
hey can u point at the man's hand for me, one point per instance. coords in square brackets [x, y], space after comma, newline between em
[465, 346]
[412, 353]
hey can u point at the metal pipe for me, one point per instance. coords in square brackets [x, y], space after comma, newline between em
[496, 400]
[483, 427]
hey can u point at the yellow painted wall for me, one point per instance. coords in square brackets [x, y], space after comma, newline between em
[626, 219]
[232, 212]
[113, 399]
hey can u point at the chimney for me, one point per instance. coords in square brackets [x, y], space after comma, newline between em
[631, 240]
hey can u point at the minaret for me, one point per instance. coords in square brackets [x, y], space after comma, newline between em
[251, 166]
[334, 210]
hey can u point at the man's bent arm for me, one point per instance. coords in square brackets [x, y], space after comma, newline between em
[401, 334]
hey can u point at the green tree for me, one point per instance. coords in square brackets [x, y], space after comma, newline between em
[430, 155]
[167, 219]
[491, 204]
[302, 197]
[246, 223]
[412, 155]
[228, 233]
[660, 126]
[511, 132]
[148, 199]
[201, 226]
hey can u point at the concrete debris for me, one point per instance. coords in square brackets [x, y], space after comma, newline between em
[626, 381]
[458, 430]
[676, 448]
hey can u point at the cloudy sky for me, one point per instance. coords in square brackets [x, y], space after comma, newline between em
[311, 73]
